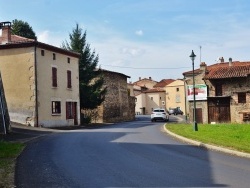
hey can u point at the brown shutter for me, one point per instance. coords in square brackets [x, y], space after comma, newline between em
[69, 79]
[54, 76]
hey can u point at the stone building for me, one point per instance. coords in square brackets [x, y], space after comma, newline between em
[119, 104]
[40, 81]
[222, 91]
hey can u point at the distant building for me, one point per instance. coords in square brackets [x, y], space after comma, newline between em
[175, 93]
[41, 81]
[147, 83]
[149, 99]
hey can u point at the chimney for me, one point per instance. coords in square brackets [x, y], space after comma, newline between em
[6, 32]
[230, 62]
[221, 60]
[203, 66]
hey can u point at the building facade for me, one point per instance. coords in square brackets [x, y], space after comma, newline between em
[222, 92]
[175, 95]
[41, 81]
[147, 100]
[119, 103]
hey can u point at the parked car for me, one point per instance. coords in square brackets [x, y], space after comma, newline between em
[175, 111]
[159, 114]
[178, 111]
[171, 111]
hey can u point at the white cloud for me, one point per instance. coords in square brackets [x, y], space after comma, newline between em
[139, 32]
[43, 37]
[51, 38]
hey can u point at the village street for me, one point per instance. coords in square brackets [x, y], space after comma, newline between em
[129, 154]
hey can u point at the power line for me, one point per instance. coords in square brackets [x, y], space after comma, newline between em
[145, 67]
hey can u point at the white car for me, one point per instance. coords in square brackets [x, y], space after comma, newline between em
[159, 114]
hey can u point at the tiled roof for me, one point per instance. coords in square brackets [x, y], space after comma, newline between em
[17, 39]
[164, 82]
[154, 90]
[224, 70]
[228, 72]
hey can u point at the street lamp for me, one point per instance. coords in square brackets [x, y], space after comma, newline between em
[195, 126]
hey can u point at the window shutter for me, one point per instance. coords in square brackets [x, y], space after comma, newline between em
[54, 76]
[69, 79]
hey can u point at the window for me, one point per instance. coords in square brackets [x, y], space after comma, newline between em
[177, 89]
[151, 98]
[54, 56]
[68, 60]
[218, 90]
[42, 52]
[56, 107]
[54, 77]
[69, 79]
[242, 98]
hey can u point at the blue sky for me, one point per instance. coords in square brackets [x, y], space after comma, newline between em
[143, 38]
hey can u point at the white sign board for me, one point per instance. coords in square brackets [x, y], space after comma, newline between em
[200, 92]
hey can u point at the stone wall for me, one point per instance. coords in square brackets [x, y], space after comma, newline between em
[118, 105]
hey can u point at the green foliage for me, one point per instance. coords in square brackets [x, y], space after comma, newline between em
[22, 29]
[234, 136]
[91, 81]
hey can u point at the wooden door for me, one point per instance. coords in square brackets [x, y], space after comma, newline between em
[198, 115]
[219, 114]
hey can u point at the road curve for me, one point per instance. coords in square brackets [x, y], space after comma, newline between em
[131, 154]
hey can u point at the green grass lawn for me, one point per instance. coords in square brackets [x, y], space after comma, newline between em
[8, 154]
[233, 136]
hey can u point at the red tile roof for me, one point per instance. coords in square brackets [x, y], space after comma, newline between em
[228, 72]
[224, 70]
[17, 39]
[164, 82]
[154, 90]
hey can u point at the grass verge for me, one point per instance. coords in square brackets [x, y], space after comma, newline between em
[232, 136]
[8, 155]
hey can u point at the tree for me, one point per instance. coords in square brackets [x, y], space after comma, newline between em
[92, 92]
[22, 29]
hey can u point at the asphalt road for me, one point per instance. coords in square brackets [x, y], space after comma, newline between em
[131, 154]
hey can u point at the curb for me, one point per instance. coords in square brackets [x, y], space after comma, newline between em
[207, 146]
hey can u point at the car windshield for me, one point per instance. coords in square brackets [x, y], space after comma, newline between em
[158, 110]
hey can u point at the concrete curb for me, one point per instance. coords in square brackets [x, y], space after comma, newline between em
[207, 146]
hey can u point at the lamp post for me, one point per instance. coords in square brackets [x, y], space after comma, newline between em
[195, 126]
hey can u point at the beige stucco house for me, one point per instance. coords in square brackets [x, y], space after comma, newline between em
[168, 93]
[147, 100]
[147, 83]
[40, 81]
[175, 95]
